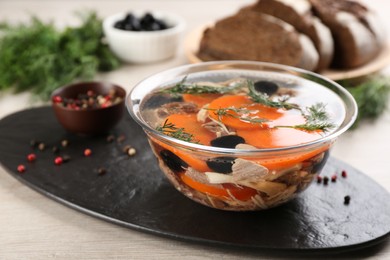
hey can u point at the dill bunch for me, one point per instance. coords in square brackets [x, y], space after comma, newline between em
[38, 57]
[371, 95]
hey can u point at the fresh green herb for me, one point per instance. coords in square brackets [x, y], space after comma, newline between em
[241, 114]
[189, 88]
[40, 58]
[371, 95]
[316, 119]
[264, 99]
[171, 130]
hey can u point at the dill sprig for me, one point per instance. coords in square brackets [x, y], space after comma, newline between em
[316, 119]
[371, 95]
[171, 130]
[241, 114]
[265, 100]
[183, 87]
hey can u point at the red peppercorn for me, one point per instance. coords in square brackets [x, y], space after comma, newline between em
[58, 160]
[57, 99]
[344, 174]
[319, 179]
[21, 168]
[31, 157]
[334, 178]
[87, 152]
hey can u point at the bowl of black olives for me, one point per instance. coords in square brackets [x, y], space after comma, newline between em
[143, 36]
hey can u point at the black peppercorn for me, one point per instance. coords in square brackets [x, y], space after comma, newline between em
[66, 158]
[55, 149]
[33, 143]
[326, 180]
[347, 199]
[101, 171]
[110, 138]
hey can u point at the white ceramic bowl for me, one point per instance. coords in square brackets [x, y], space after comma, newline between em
[144, 46]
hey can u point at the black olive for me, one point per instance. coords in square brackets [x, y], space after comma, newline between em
[162, 24]
[147, 20]
[318, 166]
[172, 161]
[221, 164]
[119, 25]
[227, 141]
[155, 27]
[266, 87]
[131, 23]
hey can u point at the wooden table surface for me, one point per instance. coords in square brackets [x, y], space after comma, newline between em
[35, 227]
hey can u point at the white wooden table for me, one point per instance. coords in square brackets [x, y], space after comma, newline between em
[35, 227]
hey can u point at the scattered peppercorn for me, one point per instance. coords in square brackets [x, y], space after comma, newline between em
[41, 146]
[319, 179]
[131, 152]
[55, 149]
[347, 199]
[344, 174]
[33, 143]
[121, 138]
[87, 152]
[21, 168]
[101, 171]
[326, 180]
[31, 157]
[126, 149]
[66, 158]
[334, 178]
[58, 160]
[64, 143]
[110, 138]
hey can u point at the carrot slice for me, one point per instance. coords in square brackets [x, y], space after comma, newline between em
[242, 102]
[240, 193]
[200, 99]
[278, 163]
[277, 137]
[190, 125]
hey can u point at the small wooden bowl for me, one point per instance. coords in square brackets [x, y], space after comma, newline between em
[93, 121]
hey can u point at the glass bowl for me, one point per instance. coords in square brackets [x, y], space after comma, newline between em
[247, 178]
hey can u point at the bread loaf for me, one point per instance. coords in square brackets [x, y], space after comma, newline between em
[357, 33]
[311, 34]
[256, 36]
[298, 13]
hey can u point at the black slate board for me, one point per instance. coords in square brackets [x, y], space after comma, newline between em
[134, 193]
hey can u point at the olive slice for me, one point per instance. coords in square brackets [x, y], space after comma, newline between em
[227, 141]
[266, 87]
[172, 161]
[221, 164]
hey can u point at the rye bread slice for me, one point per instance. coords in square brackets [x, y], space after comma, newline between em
[259, 37]
[298, 13]
[357, 32]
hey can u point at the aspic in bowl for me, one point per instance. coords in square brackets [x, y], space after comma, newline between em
[241, 135]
